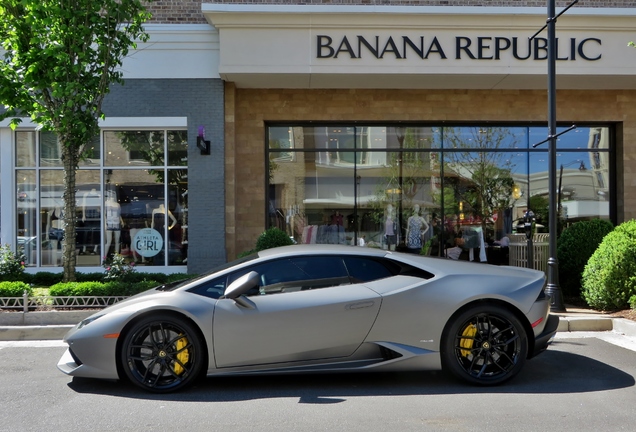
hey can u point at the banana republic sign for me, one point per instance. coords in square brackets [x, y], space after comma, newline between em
[473, 48]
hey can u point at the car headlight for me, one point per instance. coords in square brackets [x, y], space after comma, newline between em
[88, 320]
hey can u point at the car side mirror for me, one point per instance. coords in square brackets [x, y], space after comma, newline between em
[242, 285]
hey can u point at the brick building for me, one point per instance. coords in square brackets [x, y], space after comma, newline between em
[342, 122]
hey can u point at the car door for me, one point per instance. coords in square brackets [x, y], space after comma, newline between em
[306, 309]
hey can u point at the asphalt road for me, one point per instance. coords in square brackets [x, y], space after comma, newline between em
[582, 383]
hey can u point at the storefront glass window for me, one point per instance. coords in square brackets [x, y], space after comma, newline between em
[130, 202]
[134, 148]
[25, 149]
[484, 137]
[52, 217]
[177, 148]
[26, 214]
[50, 150]
[378, 185]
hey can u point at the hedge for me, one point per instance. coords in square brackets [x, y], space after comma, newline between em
[609, 278]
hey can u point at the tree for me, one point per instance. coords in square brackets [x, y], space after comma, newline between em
[60, 58]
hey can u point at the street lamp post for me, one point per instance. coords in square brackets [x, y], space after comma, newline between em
[552, 287]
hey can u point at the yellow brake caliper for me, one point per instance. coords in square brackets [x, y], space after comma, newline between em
[182, 356]
[466, 340]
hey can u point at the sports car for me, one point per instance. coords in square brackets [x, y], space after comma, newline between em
[320, 308]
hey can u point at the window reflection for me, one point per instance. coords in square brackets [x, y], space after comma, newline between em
[134, 148]
[50, 150]
[52, 211]
[450, 180]
[136, 191]
[25, 149]
[26, 215]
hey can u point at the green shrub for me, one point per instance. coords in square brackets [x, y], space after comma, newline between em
[271, 238]
[89, 277]
[110, 288]
[14, 289]
[46, 279]
[118, 288]
[11, 263]
[609, 278]
[78, 289]
[117, 267]
[632, 302]
[575, 246]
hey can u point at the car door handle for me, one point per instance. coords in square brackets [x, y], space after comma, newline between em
[360, 305]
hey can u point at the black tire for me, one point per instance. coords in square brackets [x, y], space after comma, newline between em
[162, 353]
[485, 345]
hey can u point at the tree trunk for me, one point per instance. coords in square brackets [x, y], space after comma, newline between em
[70, 160]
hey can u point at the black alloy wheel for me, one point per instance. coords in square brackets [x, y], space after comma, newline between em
[162, 354]
[485, 345]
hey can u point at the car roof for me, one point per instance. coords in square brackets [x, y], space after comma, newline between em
[318, 249]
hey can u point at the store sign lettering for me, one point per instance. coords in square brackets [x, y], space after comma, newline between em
[147, 242]
[475, 48]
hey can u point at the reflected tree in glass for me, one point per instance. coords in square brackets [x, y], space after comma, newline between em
[483, 181]
[406, 173]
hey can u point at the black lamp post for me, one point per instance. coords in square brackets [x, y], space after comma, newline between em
[552, 287]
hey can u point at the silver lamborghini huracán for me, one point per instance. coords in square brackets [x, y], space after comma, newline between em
[320, 308]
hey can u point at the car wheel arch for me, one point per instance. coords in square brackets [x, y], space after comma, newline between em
[162, 313]
[495, 302]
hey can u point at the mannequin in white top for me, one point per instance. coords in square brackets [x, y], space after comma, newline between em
[114, 223]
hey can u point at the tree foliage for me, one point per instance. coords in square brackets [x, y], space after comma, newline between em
[59, 59]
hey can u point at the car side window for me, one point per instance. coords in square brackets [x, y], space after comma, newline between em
[213, 288]
[300, 274]
[284, 275]
[366, 270]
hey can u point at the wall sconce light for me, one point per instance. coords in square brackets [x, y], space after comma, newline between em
[202, 143]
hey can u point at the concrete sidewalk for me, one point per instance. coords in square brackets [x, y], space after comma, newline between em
[50, 325]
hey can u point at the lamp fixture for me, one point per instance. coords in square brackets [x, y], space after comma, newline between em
[202, 143]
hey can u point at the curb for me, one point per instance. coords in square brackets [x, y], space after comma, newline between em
[19, 326]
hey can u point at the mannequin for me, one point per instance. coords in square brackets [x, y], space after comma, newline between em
[390, 228]
[114, 222]
[54, 227]
[415, 230]
[158, 219]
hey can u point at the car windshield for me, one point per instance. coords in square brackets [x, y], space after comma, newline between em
[177, 284]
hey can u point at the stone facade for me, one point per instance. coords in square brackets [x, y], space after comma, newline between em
[189, 11]
[201, 101]
[248, 110]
